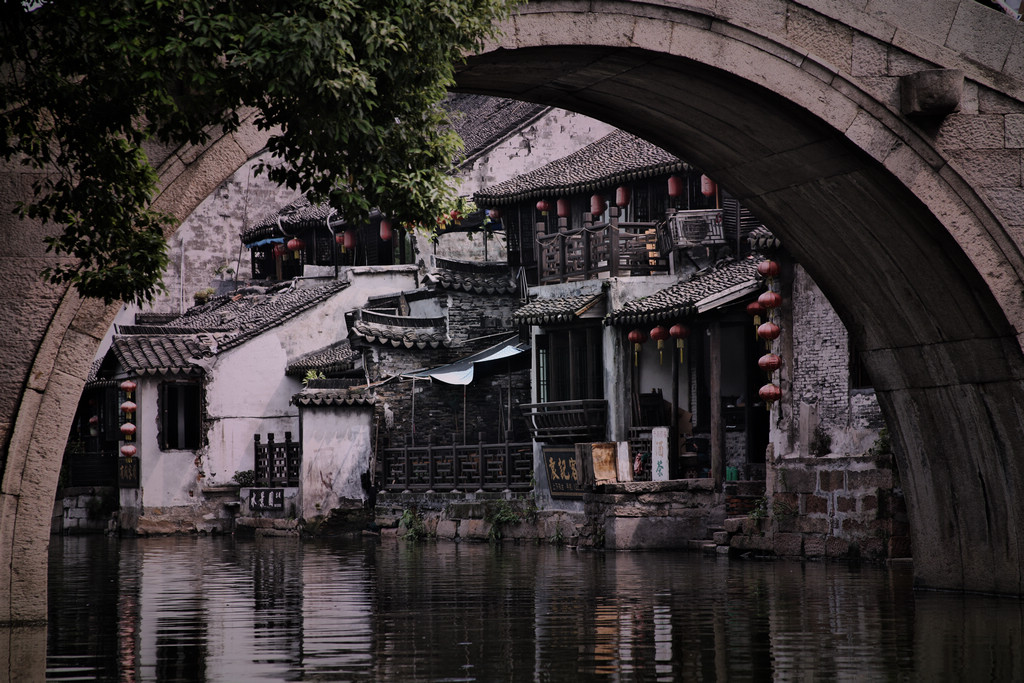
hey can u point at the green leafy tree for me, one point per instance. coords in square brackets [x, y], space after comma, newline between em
[351, 87]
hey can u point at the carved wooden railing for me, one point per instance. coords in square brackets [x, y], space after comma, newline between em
[626, 249]
[454, 467]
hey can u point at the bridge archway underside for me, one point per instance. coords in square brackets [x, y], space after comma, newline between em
[912, 229]
[918, 265]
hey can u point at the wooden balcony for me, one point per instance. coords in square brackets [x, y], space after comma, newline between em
[567, 421]
[603, 250]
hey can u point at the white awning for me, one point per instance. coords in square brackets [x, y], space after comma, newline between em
[461, 371]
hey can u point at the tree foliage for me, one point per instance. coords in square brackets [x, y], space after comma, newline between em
[351, 87]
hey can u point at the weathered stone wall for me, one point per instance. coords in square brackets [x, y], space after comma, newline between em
[208, 240]
[472, 315]
[833, 488]
[840, 508]
[653, 515]
[84, 510]
[438, 414]
[472, 517]
[822, 413]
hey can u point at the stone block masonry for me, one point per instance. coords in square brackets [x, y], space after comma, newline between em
[843, 507]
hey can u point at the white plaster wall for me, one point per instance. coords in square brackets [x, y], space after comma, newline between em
[553, 136]
[337, 450]
[461, 246]
[208, 238]
[250, 393]
[166, 478]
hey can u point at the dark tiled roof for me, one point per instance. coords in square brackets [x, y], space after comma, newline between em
[469, 277]
[204, 331]
[337, 357]
[298, 216]
[684, 299]
[401, 331]
[762, 239]
[559, 310]
[355, 396]
[617, 157]
[161, 355]
[249, 312]
[334, 392]
[483, 121]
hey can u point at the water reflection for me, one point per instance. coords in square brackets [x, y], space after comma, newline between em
[217, 609]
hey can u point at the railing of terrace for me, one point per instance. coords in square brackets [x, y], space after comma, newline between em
[585, 253]
[567, 421]
[473, 467]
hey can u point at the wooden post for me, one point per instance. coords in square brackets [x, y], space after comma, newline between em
[612, 231]
[408, 466]
[508, 461]
[456, 469]
[673, 433]
[480, 459]
[717, 447]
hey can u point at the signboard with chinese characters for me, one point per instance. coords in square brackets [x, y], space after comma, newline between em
[563, 469]
[659, 454]
[128, 472]
[266, 499]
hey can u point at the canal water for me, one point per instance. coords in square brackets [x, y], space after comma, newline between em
[280, 609]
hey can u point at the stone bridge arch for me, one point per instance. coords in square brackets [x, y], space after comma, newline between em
[911, 226]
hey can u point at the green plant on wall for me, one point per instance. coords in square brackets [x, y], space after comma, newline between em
[245, 478]
[312, 375]
[504, 513]
[412, 522]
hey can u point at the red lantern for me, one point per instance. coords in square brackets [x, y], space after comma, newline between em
[339, 237]
[385, 230]
[622, 196]
[563, 207]
[769, 331]
[679, 332]
[768, 269]
[128, 407]
[769, 362]
[544, 206]
[755, 309]
[128, 450]
[638, 337]
[659, 334]
[296, 245]
[770, 393]
[348, 239]
[675, 186]
[707, 186]
[597, 206]
[128, 386]
[494, 214]
[128, 431]
[770, 300]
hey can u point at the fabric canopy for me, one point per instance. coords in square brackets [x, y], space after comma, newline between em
[461, 371]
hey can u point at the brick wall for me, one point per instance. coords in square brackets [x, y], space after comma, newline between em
[833, 487]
